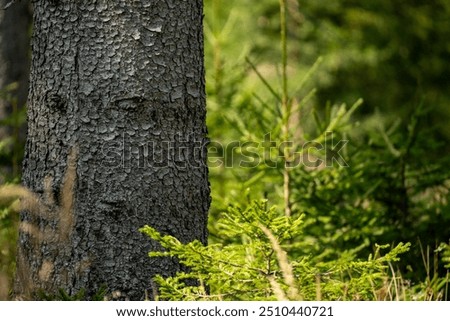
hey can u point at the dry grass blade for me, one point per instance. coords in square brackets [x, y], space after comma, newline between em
[277, 290]
[66, 215]
[285, 265]
[46, 222]
[29, 201]
[4, 287]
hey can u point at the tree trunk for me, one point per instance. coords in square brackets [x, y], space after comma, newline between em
[116, 140]
[15, 23]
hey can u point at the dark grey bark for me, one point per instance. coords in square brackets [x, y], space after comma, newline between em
[15, 24]
[116, 140]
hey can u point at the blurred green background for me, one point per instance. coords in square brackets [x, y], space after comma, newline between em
[395, 55]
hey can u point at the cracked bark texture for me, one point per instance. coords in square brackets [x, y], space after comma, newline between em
[117, 97]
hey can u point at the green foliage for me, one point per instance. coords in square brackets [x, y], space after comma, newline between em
[393, 190]
[11, 138]
[8, 236]
[446, 254]
[253, 263]
[11, 153]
